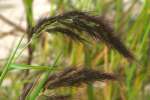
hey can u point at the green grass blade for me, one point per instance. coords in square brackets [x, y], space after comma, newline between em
[9, 61]
[43, 78]
[25, 67]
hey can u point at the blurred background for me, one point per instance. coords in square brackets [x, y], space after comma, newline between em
[131, 21]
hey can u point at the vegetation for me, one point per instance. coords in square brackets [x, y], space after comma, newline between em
[77, 54]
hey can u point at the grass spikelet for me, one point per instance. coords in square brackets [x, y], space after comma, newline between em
[67, 32]
[76, 76]
[96, 27]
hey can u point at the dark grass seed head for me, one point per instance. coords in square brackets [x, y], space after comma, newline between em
[68, 33]
[76, 76]
[83, 21]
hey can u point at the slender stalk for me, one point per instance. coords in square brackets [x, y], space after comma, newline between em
[43, 78]
[90, 88]
[9, 61]
[30, 24]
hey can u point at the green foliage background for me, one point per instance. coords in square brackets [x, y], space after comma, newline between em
[132, 25]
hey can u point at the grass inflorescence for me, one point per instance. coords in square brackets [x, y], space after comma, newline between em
[82, 21]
